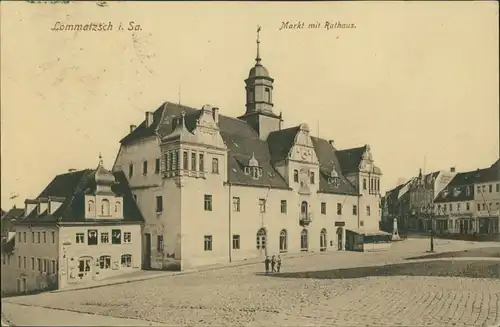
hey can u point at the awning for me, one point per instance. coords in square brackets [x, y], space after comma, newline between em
[365, 232]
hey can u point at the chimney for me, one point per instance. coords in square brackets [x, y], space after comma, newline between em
[149, 118]
[71, 170]
[215, 114]
[452, 169]
[132, 127]
[331, 142]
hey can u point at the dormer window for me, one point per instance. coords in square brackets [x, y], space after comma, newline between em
[90, 206]
[445, 193]
[467, 191]
[334, 178]
[105, 207]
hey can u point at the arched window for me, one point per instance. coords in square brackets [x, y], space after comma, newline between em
[255, 172]
[90, 206]
[303, 209]
[261, 239]
[117, 206]
[283, 241]
[322, 240]
[105, 207]
[304, 246]
[105, 262]
[126, 260]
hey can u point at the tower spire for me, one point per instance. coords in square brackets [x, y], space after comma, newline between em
[258, 59]
[101, 162]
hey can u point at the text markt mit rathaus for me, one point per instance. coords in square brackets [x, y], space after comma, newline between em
[93, 27]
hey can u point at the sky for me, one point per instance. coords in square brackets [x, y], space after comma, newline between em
[417, 81]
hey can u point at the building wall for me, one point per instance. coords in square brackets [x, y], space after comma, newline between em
[71, 252]
[33, 251]
[146, 187]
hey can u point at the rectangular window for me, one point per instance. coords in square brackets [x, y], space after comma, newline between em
[312, 177]
[53, 237]
[38, 237]
[368, 210]
[44, 237]
[80, 238]
[19, 237]
[127, 237]
[451, 207]
[193, 161]
[490, 188]
[355, 210]
[92, 237]
[45, 265]
[116, 236]
[145, 168]
[498, 187]
[215, 165]
[478, 207]
[185, 164]
[323, 208]
[339, 208]
[208, 202]
[157, 166]
[236, 204]
[458, 206]
[236, 242]
[24, 237]
[201, 163]
[364, 183]
[262, 205]
[32, 237]
[159, 204]
[54, 267]
[24, 262]
[169, 160]
[283, 206]
[208, 243]
[32, 263]
[159, 243]
[39, 264]
[19, 261]
[130, 170]
[104, 238]
[467, 206]
[296, 176]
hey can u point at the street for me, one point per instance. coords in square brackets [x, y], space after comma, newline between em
[336, 288]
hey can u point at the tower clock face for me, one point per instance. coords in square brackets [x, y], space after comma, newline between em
[304, 155]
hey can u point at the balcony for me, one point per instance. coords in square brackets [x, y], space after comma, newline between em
[305, 218]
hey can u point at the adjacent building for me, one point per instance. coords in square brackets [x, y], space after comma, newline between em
[85, 225]
[487, 199]
[214, 188]
[8, 221]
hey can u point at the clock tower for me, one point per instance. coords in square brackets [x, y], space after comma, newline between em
[259, 99]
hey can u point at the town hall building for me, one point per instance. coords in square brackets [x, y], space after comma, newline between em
[215, 189]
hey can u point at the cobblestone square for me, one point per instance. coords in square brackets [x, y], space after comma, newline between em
[243, 296]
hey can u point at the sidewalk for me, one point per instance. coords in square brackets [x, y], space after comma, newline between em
[159, 274]
[40, 316]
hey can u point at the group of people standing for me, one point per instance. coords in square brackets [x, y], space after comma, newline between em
[274, 262]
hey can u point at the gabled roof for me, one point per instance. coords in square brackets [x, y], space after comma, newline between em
[14, 213]
[490, 174]
[456, 190]
[280, 142]
[243, 141]
[72, 187]
[350, 159]
[328, 160]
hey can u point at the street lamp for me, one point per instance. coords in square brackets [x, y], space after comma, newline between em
[430, 211]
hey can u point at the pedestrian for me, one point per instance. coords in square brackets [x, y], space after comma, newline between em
[278, 263]
[273, 263]
[266, 263]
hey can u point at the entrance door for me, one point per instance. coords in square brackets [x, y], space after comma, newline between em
[147, 251]
[322, 240]
[18, 286]
[261, 242]
[25, 285]
[339, 238]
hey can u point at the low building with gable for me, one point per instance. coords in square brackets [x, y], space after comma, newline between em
[214, 188]
[84, 226]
